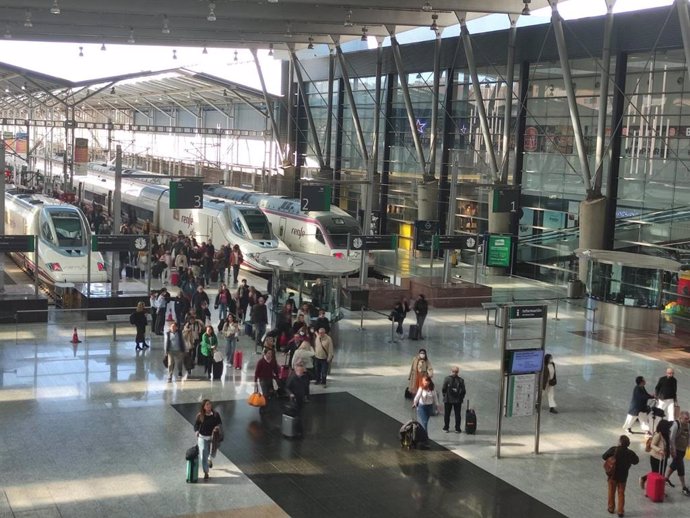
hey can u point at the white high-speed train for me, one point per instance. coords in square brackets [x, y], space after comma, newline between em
[63, 238]
[316, 232]
[219, 220]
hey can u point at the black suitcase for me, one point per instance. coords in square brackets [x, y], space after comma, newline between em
[414, 332]
[214, 275]
[218, 370]
[138, 273]
[470, 420]
[192, 458]
[129, 272]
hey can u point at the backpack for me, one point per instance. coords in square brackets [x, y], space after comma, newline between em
[610, 465]
[682, 436]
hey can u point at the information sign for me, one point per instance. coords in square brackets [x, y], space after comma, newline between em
[527, 311]
[456, 242]
[424, 232]
[12, 243]
[119, 243]
[520, 400]
[498, 250]
[315, 198]
[388, 242]
[506, 200]
[186, 194]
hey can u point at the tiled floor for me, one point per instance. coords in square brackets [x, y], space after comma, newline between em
[91, 430]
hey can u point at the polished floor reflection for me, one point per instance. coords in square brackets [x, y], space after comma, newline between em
[349, 463]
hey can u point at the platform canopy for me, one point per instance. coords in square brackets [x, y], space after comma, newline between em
[236, 23]
[311, 264]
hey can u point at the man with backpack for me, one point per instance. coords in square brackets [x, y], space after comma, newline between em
[680, 435]
[453, 391]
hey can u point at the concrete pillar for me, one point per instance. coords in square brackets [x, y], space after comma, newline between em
[499, 222]
[427, 201]
[286, 187]
[592, 217]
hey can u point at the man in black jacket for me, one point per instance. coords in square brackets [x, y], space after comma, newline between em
[259, 319]
[421, 308]
[453, 395]
[666, 391]
[639, 407]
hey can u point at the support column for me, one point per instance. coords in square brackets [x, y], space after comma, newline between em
[481, 110]
[434, 107]
[508, 109]
[603, 97]
[402, 77]
[307, 109]
[521, 124]
[388, 135]
[592, 214]
[446, 202]
[329, 103]
[117, 219]
[557, 23]
[684, 20]
[337, 169]
[2, 212]
[269, 104]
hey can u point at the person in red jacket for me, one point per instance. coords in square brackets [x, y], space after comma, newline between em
[266, 371]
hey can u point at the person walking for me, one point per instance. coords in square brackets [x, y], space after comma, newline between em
[453, 393]
[425, 400]
[625, 459]
[223, 300]
[323, 356]
[266, 371]
[421, 308]
[297, 386]
[230, 331]
[421, 366]
[236, 259]
[174, 349]
[209, 344]
[666, 391]
[139, 321]
[305, 355]
[259, 320]
[191, 333]
[548, 382]
[206, 422]
[398, 315]
[660, 451]
[639, 407]
[161, 306]
[680, 435]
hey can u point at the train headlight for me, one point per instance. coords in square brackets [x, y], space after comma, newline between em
[101, 267]
[54, 267]
[338, 255]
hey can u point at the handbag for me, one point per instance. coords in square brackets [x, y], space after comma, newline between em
[408, 394]
[610, 465]
[217, 356]
[165, 361]
[257, 399]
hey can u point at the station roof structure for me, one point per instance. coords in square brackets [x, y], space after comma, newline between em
[179, 86]
[284, 24]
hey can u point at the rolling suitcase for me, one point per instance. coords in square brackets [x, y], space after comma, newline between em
[470, 420]
[414, 332]
[192, 457]
[237, 360]
[290, 426]
[654, 487]
[129, 272]
[175, 277]
[217, 370]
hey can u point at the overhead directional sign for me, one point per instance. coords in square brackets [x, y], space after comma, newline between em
[527, 311]
[424, 232]
[186, 194]
[389, 242]
[315, 197]
[456, 242]
[17, 243]
[119, 243]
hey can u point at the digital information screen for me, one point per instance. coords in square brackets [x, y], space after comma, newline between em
[525, 361]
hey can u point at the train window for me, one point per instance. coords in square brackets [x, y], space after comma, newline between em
[319, 236]
[257, 225]
[68, 228]
[237, 225]
[46, 232]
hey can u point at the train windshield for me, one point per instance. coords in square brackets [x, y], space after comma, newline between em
[257, 224]
[338, 230]
[69, 230]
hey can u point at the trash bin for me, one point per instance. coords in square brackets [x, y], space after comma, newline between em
[576, 289]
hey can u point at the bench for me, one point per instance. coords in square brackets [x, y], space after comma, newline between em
[122, 319]
[488, 307]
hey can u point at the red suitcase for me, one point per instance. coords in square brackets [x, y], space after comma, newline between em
[283, 372]
[237, 360]
[175, 277]
[654, 488]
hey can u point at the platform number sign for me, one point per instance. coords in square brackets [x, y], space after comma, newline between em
[506, 200]
[315, 198]
[186, 195]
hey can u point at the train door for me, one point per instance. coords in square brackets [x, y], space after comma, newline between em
[281, 229]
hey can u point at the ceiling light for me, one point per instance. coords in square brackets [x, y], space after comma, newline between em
[427, 7]
[205, 51]
[525, 10]
[103, 47]
[131, 39]
[112, 91]
[311, 43]
[364, 34]
[434, 25]
[270, 49]
[81, 52]
[235, 60]
[348, 19]
[56, 8]
[27, 20]
[8, 34]
[288, 30]
[7, 90]
[272, 1]
[174, 54]
[211, 12]
[166, 26]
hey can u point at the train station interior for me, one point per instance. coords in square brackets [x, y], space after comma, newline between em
[522, 164]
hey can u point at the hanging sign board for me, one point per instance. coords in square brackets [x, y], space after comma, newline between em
[187, 195]
[424, 232]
